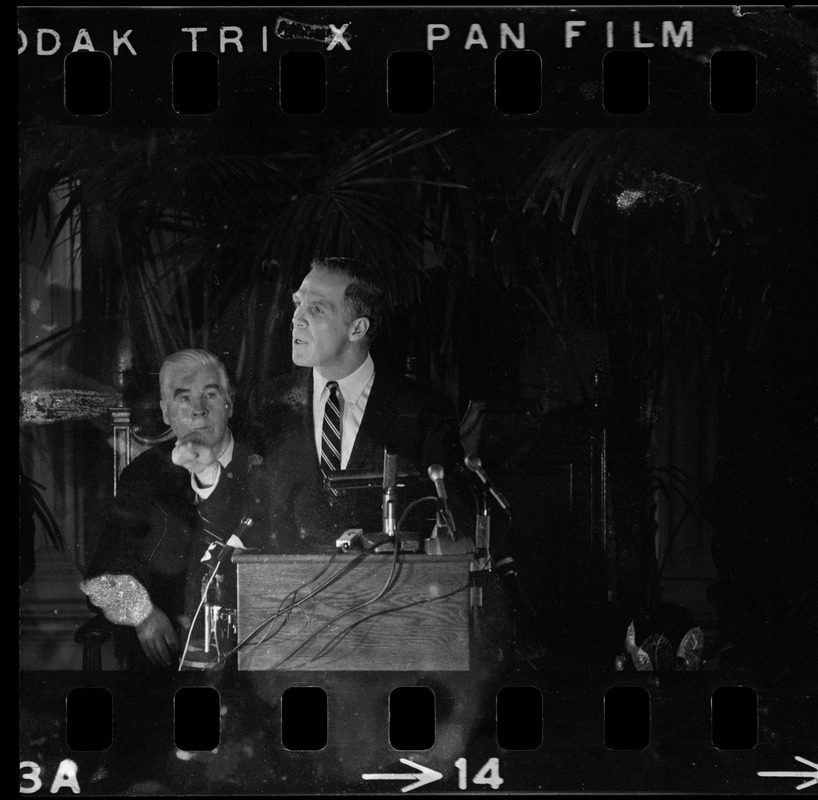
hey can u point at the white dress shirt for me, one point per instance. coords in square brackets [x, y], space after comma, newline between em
[353, 393]
[203, 492]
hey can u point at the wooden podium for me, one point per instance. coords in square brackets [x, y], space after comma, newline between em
[420, 623]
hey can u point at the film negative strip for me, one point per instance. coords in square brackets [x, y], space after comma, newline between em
[590, 234]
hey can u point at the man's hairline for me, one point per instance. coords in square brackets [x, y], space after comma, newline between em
[349, 311]
[225, 387]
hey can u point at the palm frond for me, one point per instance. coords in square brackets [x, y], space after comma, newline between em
[33, 503]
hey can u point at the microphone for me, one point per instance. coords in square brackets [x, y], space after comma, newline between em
[390, 490]
[507, 569]
[343, 479]
[436, 473]
[230, 546]
[474, 463]
[219, 621]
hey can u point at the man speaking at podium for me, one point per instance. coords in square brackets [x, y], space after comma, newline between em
[339, 412]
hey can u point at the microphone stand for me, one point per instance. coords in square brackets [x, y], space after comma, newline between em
[505, 567]
[517, 597]
[481, 562]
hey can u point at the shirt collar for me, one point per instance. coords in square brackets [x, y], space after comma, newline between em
[227, 456]
[352, 386]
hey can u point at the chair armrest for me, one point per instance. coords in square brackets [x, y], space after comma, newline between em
[96, 630]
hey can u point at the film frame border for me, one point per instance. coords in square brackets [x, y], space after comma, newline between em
[657, 114]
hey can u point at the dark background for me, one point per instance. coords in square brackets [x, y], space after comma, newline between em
[521, 281]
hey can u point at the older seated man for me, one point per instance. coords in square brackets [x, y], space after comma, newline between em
[159, 541]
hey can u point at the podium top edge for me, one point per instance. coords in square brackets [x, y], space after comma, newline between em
[264, 558]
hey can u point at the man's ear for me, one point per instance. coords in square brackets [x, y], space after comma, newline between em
[358, 329]
[230, 399]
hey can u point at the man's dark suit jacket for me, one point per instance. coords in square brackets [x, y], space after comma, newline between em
[302, 517]
[154, 532]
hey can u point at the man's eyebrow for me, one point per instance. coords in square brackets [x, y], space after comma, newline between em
[316, 300]
[177, 392]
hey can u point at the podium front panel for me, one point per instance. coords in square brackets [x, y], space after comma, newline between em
[316, 612]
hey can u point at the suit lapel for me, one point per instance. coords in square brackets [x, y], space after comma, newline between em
[292, 437]
[307, 417]
[307, 432]
[373, 433]
[381, 409]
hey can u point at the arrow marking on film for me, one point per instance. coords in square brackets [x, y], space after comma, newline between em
[421, 778]
[813, 776]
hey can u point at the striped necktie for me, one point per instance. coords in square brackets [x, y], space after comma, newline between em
[331, 431]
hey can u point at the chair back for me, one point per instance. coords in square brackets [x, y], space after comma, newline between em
[128, 442]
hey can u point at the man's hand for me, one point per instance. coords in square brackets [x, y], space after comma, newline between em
[197, 457]
[158, 638]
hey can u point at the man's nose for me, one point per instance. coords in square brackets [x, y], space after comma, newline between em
[298, 317]
[200, 407]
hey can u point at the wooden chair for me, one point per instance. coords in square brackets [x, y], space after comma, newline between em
[127, 443]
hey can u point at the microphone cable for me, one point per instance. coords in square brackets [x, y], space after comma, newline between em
[387, 585]
[295, 603]
[332, 643]
[329, 622]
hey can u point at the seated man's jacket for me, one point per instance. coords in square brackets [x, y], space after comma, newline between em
[155, 531]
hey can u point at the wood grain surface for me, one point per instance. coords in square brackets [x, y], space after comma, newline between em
[345, 620]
